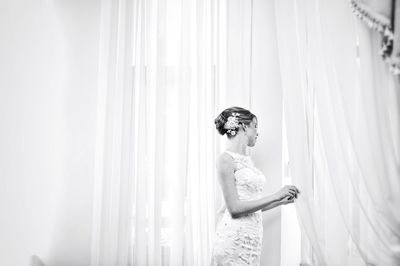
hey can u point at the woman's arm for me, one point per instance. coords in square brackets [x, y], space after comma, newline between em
[236, 207]
[284, 201]
[275, 204]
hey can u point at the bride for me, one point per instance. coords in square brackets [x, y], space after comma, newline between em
[238, 237]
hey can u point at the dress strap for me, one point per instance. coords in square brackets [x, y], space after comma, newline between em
[236, 155]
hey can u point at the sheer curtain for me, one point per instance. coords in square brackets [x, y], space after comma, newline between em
[160, 75]
[342, 111]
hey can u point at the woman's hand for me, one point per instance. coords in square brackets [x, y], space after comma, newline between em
[287, 193]
[287, 200]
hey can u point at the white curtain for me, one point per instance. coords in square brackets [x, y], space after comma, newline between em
[342, 111]
[160, 88]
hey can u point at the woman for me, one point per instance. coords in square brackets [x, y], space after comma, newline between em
[238, 238]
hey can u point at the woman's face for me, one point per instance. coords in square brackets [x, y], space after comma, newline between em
[251, 132]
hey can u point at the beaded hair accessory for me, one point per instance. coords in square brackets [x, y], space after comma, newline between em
[232, 124]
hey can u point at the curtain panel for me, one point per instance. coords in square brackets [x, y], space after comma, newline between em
[159, 88]
[114, 162]
[342, 113]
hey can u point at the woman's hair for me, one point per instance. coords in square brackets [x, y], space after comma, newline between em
[244, 116]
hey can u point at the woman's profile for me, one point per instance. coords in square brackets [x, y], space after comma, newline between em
[238, 237]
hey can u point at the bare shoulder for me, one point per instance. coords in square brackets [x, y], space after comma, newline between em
[225, 162]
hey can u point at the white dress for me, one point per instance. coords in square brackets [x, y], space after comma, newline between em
[238, 241]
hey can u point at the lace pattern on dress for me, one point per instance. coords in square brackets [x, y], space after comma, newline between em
[238, 241]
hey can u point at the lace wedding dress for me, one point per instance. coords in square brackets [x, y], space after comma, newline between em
[238, 241]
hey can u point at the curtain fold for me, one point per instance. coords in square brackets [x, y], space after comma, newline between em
[160, 74]
[113, 199]
[342, 113]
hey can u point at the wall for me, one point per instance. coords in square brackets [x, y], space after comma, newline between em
[48, 52]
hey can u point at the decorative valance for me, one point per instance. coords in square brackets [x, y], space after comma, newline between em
[384, 17]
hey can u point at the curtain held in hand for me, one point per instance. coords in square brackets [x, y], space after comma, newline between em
[342, 111]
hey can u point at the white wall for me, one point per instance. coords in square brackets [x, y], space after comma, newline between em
[253, 81]
[48, 52]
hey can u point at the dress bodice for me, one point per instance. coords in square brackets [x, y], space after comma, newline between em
[248, 179]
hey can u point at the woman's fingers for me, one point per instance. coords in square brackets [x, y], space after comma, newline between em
[292, 191]
[288, 200]
[296, 189]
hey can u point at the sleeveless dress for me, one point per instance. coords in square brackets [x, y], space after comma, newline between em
[238, 241]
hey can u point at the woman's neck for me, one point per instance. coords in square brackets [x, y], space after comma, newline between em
[238, 146]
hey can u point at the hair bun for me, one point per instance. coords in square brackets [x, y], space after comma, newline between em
[243, 116]
[219, 124]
